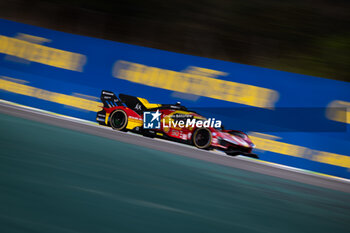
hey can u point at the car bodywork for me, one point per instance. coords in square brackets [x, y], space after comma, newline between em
[126, 114]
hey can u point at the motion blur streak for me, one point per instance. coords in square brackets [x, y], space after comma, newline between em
[267, 144]
[41, 54]
[196, 80]
[68, 100]
[343, 111]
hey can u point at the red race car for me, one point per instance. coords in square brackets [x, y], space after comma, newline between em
[171, 121]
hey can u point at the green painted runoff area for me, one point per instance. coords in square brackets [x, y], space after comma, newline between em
[58, 180]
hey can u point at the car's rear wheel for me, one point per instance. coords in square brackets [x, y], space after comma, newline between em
[202, 138]
[118, 120]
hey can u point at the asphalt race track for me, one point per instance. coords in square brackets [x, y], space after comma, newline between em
[59, 175]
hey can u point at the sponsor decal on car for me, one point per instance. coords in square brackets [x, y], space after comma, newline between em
[151, 120]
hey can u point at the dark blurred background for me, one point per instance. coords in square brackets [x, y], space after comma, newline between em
[301, 36]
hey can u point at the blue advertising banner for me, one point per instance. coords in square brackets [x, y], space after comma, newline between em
[293, 119]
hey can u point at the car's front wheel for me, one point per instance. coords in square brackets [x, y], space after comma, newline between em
[118, 120]
[202, 138]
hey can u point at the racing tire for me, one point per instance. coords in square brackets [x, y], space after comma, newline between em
[202, 138]
[119, 120]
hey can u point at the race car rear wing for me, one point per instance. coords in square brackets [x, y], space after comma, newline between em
[109, 99]
[138, 104]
